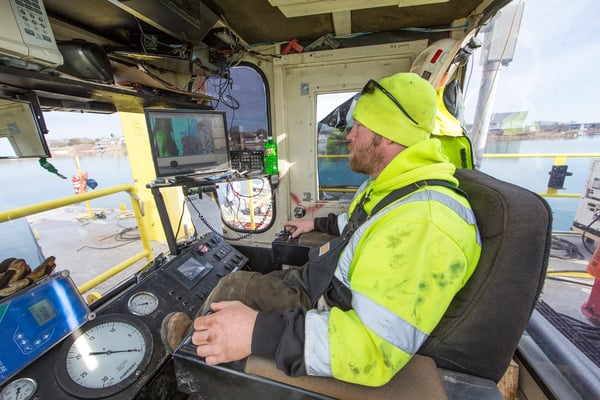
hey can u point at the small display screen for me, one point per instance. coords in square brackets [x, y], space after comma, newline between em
[42, 311]
[193, 268]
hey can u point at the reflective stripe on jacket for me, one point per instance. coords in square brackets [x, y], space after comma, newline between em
[403, 266]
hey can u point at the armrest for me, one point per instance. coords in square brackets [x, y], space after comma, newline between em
[419, 379]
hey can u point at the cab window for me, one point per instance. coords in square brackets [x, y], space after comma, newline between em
[337, 182]
[246, 205]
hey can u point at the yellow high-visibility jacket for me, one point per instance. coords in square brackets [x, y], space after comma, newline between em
[403, 266]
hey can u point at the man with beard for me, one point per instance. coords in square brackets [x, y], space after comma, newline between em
[365, 302]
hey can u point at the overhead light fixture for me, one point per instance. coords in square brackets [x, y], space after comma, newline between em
[298, 8]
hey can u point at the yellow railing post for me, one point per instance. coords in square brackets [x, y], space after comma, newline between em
[81, 182]
[86, 196]
[558, 161]
[250, 203]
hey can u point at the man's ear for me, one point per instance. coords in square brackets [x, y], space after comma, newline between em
[389, 142]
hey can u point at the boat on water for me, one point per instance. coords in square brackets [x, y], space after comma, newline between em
[200, 87]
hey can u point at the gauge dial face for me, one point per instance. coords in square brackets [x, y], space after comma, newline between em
[142, 303]
[19, 389]
[107, 355]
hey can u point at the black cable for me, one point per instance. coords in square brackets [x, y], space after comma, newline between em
[250, 196]
[123, 235]
[126, 230]
[209, 226]
[238, 208]
[118, 237]
[556, 278]
[469, 74]
[106, 248]
[564, 245]
[178, 49]
[565, 271]
[587, 228]
[262, 180]
[180, 219]
[222, 86]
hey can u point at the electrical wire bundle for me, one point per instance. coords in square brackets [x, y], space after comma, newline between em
[587, 228]
[125, 236]
[568, 249]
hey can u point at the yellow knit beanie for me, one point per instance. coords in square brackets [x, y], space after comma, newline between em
[379, 113]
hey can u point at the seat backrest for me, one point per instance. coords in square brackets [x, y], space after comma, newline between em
[482, 327]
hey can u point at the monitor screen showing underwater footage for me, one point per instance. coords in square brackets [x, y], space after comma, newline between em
[187, 141]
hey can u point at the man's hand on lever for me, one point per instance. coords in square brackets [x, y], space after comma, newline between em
[299, 226]
[225, 334]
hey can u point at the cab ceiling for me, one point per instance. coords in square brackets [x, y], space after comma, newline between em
[258, 21]
[178, 28]
[253, 20]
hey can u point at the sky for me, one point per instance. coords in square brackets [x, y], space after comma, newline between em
[553, 74]
[65, 125]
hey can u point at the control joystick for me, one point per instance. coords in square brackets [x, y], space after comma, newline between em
[285, 234]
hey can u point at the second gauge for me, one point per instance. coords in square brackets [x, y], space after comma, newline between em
[142, 303]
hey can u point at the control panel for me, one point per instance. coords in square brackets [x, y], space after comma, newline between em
[198, 270]
[587, 217]
[247, 160]
[35, 319]
[27, 33]
[120, 351]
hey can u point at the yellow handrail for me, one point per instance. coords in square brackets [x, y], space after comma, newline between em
[542, 155]
[66, 201]
[507, 155]
[559, 160]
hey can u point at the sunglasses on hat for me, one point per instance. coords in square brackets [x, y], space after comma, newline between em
[370, 88]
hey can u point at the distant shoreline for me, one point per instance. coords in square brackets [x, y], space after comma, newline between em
[92, 148]
[493, 136]
[58, 151]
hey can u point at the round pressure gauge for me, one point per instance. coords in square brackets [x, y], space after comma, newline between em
[105, 356]
[19, 389]
[142, 303]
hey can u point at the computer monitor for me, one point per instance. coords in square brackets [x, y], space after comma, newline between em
[188, 141]
[22, 127]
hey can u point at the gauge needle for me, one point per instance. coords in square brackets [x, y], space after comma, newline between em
[109, 352]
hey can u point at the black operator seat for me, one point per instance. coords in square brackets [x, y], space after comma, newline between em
[483, 325]
[480, 332]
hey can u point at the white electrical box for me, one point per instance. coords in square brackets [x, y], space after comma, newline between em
[587, 217]
[26, 34]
